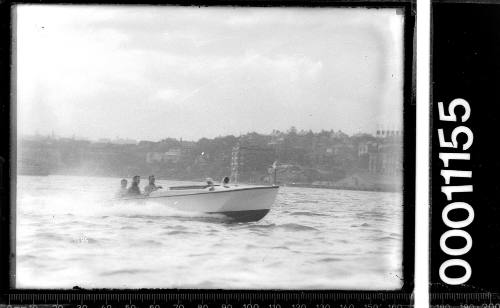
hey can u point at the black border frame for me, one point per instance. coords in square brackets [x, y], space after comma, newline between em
[8, 137]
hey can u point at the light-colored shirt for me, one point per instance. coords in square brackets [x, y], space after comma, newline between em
[150, 188]
[122, 192]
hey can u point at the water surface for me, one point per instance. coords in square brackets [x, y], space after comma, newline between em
[69, 234]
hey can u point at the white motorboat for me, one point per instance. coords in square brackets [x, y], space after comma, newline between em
[239, 203]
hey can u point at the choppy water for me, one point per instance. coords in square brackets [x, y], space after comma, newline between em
[68, 235]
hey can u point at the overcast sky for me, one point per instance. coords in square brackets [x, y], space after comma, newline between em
[155, 72]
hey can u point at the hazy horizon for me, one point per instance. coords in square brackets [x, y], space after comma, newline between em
[117, 138]
[149, 73]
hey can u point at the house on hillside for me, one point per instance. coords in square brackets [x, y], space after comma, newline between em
[171, 156]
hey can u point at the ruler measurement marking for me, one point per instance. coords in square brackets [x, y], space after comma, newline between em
[235, 298]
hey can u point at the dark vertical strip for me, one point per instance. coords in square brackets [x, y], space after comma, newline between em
[7, 259]
[409, 131]
[13, 148]
[466, 64]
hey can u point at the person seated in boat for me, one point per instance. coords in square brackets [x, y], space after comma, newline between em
[134, 187]
[151, 186]
[225, 182]
[210, 184]
[123, 189]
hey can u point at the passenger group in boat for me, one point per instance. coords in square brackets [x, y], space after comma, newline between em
[135, 191]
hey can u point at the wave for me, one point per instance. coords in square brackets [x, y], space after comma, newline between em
[89, 205]
[52, 236]
[150, 242]
[297, 227]
[124, 272]
[365, 224]
[307, 214]
[286, 226]
[305, 202]
[387, 238]
[177, 232]
[330, 259]
[281, 247]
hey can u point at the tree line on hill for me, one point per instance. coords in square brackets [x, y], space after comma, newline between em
[302, 156]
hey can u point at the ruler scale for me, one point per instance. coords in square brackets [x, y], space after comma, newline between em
[225, 299]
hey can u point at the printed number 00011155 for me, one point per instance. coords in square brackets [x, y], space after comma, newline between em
[455, 226]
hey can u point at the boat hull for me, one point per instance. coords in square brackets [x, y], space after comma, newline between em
[236, 203]
[245, 216]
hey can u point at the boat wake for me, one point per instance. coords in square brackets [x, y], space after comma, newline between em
[87, 205]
